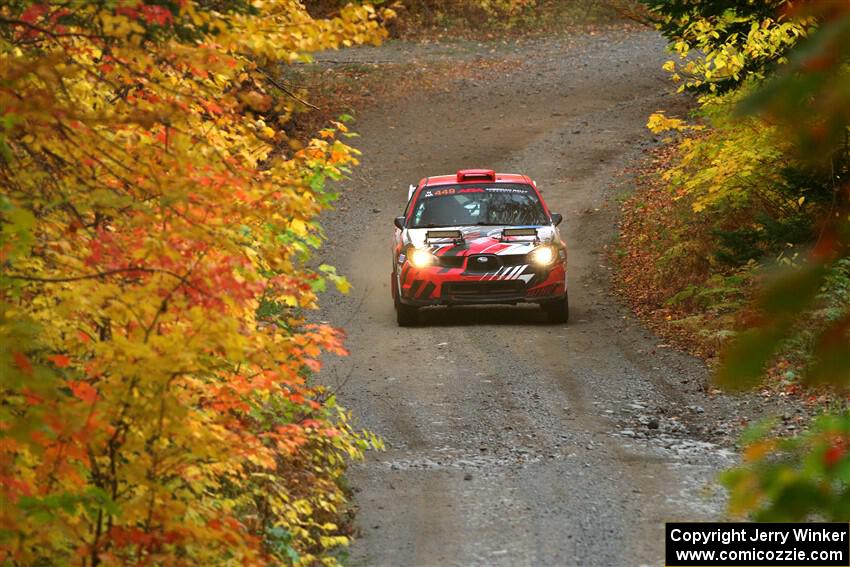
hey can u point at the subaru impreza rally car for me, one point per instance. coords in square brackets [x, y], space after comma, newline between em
[478, 237]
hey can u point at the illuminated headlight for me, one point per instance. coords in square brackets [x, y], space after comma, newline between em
[420, 257]
[544, 256]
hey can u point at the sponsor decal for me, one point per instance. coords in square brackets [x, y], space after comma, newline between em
[438, 191]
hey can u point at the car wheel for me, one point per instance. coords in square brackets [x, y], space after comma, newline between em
[394, 288]
[558, 310]
[406, 315]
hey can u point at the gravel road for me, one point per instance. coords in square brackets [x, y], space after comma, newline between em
[510, 441]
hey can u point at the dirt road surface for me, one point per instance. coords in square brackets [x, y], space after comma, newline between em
[511, 441]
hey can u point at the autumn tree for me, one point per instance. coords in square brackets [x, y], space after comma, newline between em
[723, 44]
[776, 112]
[155, 221]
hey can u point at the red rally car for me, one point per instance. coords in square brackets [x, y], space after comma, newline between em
[478, 237]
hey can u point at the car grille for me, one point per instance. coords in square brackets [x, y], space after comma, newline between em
[514, 259]
[484, 292]
[451, 261]
[482, 263]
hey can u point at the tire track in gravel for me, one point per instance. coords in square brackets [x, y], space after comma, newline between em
[505, 435]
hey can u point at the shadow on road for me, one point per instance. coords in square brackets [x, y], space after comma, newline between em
[525, 315]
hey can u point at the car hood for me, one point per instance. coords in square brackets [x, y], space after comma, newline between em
[481, 240]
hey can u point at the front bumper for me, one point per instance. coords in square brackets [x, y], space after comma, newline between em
[437, 285]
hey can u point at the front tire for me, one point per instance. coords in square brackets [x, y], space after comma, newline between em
[406, 315]
[558, 310]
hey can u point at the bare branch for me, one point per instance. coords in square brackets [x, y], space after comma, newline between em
[277, 84]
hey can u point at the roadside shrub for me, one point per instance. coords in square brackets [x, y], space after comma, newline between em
[487, 17]
[796, 479]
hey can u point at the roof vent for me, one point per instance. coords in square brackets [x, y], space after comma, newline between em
[476, 175]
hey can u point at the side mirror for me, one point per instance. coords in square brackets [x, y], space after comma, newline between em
[557, 218]
[399, 222]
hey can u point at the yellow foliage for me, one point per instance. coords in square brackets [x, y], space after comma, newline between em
[155, 225]
[659, 122]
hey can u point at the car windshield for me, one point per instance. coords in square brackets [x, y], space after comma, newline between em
[462, 205]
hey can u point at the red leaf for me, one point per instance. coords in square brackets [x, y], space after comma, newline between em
[22, 362]
[60, 360]
[84, 391]
[132, 13]
[156, 15]
[33, 13]
[15, 488]
[833, 455]
[31, 397]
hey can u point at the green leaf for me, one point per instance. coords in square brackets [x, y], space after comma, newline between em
[792, 293]
[745, 360]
